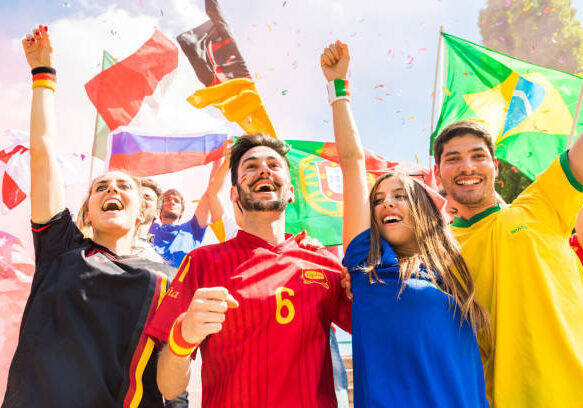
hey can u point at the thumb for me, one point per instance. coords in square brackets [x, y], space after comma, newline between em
[231, 302]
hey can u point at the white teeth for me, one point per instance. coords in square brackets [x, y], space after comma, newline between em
[465, 182]
[264, 186]
[391, 218]
[112, 205]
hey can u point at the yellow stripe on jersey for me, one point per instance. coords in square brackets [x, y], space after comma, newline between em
[186, 268]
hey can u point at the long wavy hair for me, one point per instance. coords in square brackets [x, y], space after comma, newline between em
[439, 253]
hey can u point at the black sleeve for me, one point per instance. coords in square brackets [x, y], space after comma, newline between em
[55, 237]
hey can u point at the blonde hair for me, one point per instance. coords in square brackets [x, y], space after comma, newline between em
[439, 253]
[87, 229]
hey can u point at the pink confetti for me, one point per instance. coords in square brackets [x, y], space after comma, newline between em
[501, 38]
[379, 86]
[83, 156]
[561, 61]
[361, 20]
[508, 3]
[410, 60]
[387, 94]
[389, 52]
[379, 98]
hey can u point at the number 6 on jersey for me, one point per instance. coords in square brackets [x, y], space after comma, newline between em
[284, 304]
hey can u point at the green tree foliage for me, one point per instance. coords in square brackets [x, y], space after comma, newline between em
[545, 32]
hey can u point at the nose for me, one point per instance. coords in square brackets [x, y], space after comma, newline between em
[264, 169]
[466, 165]
[112, 187]
[388, 202]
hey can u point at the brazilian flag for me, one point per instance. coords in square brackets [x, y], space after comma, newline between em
[527, 108]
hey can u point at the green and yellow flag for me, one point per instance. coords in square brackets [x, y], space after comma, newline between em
[528, 108]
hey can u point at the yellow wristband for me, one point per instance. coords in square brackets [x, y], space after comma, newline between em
[44, 83]
[176, 343]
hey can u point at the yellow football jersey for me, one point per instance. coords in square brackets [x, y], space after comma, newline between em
[531, 282]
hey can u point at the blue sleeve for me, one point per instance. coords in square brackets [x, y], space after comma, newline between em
[357, 250]
[197, 230]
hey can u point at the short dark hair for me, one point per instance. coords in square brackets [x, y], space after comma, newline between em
[176, 193]
[460, 129]
[248, 142]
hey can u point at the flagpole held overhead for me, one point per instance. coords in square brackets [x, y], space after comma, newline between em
[575, 118]
[438, 68]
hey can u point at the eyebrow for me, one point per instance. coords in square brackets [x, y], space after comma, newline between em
[257, 158]
[475, 149]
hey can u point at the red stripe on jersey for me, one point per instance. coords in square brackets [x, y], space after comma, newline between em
[576, 245]
[143, 350]
[274, 349]
[41, 228]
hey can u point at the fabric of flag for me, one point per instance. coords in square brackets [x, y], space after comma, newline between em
[141, 154]
[15, 169]
[129, 90]
[215, 57]
[317, 180]
[16, 271]
[528, 108]
[101, 128]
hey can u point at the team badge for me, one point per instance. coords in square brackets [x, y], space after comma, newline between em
[312, 276]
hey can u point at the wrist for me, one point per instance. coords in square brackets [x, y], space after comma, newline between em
[177, 344]
[338, 89]
[44, 77]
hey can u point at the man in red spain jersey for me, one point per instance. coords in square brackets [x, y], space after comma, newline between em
[272, 348]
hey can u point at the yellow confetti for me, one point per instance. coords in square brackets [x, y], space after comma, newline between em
[444, 89]
[416, 159]
[527, 7]
[411, 118]
[269, 27]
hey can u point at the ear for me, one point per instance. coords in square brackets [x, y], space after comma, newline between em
[292, 195]
[87, 219]
[437, 174]
[234, 194]
[496, 162]
[141, 217]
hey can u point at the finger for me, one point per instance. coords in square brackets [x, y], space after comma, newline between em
[208, 317]
[335, 51]
[328, 60]
[324, 61]
[345, 50]
[330, 54]
[232, 302]
[209, 305]
[211, 328]
[217, 293]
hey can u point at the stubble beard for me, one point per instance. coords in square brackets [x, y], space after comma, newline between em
[249, 204]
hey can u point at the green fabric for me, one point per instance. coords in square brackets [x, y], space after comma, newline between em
[101, 129]
[491, 88]
[569, 173]
[340, 87]
[317, 181]
[463, 223]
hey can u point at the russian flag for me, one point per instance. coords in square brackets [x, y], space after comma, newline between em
[145, 155]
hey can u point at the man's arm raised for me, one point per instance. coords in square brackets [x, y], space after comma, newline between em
[47, 194]
[576, 159]
[204, 316]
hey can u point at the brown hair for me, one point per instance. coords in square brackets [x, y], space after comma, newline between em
[460, 129]
[248, 142]
[87, 229]
[439, 253]
[152, 185]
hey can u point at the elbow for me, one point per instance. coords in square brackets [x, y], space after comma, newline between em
[168, 391]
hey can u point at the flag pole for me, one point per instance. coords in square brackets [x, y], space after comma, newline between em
[438, 68]
[576, 118]
[95, 130]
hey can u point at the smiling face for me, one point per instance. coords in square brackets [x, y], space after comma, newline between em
[263, 181]
[467, 171]
[114, 204]
[172, 207]
[392, 216]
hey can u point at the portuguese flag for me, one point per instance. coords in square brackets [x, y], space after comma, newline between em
[317, 181]
[527, 108]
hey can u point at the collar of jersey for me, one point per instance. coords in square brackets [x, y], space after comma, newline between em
[254, 240]
[463, 223]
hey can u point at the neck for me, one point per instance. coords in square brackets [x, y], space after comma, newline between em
[267, 225]
[406, 251]
[468, 211]
[144, 229]
[168, 220]
[118, 244]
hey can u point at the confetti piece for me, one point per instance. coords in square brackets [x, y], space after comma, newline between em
[548, 10]
[326, 121]
[295, 64]
[284, 92]
[499, 23]
[527, 7]
[444, 89]
[508, 3]
[422, 24]
[411, 118]
[354, 34]
[66, 4]
[466, 74]
[501, 39]
[514, 169]
[141, 3]
[361, 20]
[561, 61]
[533, 47]
[500, 182]
[83, 156]
[161, 13]
[389, 52]
[387, 94]
[113, 32]
[422, 50]
[269, 27]
[416, 159]
[379, 86]
[257, 77]
[410, 60]
[483, 21]
[378, 98]
[284, 3]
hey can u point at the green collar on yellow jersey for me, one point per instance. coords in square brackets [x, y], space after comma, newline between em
[463, 223]
[569, 173]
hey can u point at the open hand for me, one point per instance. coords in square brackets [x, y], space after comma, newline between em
[37, 48]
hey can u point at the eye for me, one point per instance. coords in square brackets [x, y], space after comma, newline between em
[275, 165]
[452, 159]
[400, 196]
[100, 187]
[124, 186]
[377, 201]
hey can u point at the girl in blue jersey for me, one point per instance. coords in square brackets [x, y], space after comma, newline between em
[415, 319]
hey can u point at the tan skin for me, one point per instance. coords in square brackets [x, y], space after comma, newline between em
[208, 308]
[112, 229]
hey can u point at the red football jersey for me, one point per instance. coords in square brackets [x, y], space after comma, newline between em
[274, 350]
[576, 245]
